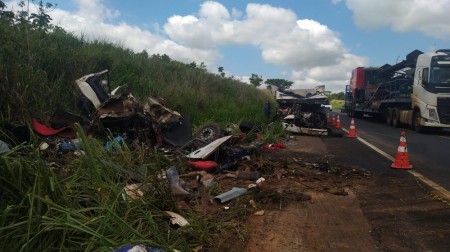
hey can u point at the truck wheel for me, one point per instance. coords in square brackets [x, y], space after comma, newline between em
[395, 118]
[209, 133]
[416, 123]
[388, 117]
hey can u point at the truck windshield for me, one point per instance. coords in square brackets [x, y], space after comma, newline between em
[440, 76]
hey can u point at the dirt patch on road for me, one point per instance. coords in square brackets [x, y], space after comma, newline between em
[309, 202]
[330, 221]
[326, 223]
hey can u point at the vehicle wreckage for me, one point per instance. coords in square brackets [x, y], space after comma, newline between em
[152, 122]
[303, 114]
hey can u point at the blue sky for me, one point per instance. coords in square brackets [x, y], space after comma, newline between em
[309, 42]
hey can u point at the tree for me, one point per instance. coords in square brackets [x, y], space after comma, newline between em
[280, 83]
[336, 96]
[41, 20]
[6, 16]
[220, 69]
[256, 80]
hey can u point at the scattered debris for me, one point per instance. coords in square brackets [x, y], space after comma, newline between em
[3, 147]
[259, 213]
[209, 161]
[134, 191]
[231, 194]
[176, 219]
[207, 150]
[138, 248]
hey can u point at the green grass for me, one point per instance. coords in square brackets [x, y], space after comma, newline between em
[37, 64]
[337, 104]
[78, 205]
[87, 210]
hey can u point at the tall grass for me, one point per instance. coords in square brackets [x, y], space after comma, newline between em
[88, 209]
[80, 205]
[38, 70]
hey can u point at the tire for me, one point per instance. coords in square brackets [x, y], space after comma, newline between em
[416, 123]
[209, 133]
[247, 126]
[395, 118]
[388, 117]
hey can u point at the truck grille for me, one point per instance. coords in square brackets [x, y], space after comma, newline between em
[443, 108]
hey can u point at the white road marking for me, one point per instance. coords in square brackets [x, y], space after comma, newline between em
[441, 191]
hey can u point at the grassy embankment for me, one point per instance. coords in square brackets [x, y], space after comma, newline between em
[337, 104]
[85, 209]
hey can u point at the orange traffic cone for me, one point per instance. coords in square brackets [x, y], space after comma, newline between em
[333, 121]
[328, 118]
[352, 130]
[338, 122]
[401, 160]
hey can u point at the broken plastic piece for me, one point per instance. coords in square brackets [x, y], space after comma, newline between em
[205, 151]
[44, 130]
[172, 176]
[203, 165]
[3, 147]
[176, 219]
[138, 248]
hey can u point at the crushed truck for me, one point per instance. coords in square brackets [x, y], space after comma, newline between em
[414, 92]
[303, 114]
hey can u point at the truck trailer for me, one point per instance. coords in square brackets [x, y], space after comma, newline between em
[414, 92]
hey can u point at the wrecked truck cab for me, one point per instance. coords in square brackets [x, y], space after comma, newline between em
[305, 115]
[121, 113]
[115, 112]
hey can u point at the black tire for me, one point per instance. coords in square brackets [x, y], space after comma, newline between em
[395, 118]
[388, 117]
[209, 133]
[416, 123]
[247, 126]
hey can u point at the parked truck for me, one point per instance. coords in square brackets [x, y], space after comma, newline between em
[414, 92]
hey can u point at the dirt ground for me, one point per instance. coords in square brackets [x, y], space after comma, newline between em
[310, 202]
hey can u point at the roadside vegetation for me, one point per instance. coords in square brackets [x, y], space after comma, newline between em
[79, 204]
[337, 100]
[39, 64]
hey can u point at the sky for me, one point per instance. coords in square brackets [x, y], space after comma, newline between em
[308, 42]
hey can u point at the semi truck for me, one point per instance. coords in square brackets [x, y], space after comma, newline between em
[414, 92]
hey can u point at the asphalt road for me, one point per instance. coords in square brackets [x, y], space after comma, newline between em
[429, 153]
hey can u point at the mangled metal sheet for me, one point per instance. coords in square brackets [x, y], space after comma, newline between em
[231, 194]
[159, 113]
[205, 151]
[118, 106]
[95, 95]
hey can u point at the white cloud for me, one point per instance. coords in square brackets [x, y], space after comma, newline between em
[335, 76]
[428, 17]
[315, 53]
[87, 21]
[304, 45]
